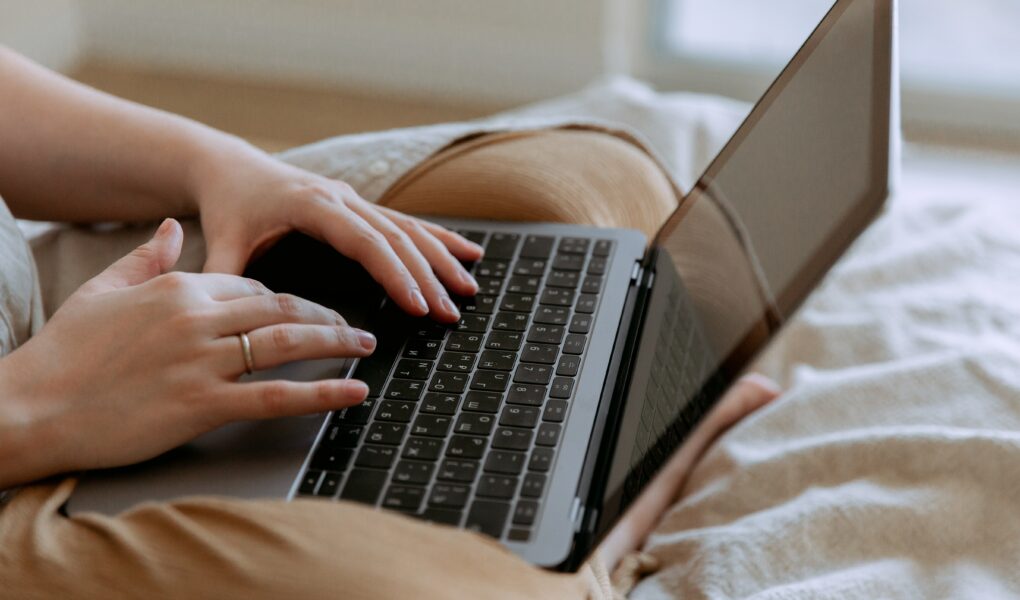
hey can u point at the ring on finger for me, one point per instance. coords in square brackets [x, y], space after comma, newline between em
[249, 362]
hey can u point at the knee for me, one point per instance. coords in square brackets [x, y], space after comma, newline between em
[554, 175]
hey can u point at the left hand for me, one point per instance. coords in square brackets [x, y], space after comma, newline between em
[249, 200]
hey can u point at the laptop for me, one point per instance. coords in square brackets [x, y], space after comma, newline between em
[588, 354]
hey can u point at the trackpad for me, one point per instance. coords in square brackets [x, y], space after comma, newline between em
[248, 459]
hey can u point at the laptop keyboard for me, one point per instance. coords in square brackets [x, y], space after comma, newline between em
[462, 423]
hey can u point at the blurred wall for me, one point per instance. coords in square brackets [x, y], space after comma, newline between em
[493, 51]
[47, 30]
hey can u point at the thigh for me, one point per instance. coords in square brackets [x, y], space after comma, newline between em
[574, 176]
[220, 548]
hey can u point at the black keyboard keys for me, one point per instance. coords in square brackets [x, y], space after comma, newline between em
[602, 248]
[574, 344]
[497, 360]
[464, 342]
[406, 498]
[537, 246]
[531, 373]
[519, 416]
[502, 246]
[466, 446]
[458, 362]
[552, 315]
[527, 395]
[451, 383]
[449, 495]
[364, 485]
[511, 438]
[488, 517]
[544, 354]
[404, 389]
[422, 448]
[495, 381]
[431, 426]
[504, 340]
[557, 297]
[377, 457]
[505, 461]
[545, 334]
[497, 486]
[485, 402]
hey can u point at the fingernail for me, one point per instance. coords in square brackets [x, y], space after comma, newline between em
[419, 300]
[451, 307]
[468, 279]
[163, 227]
[478, 248]
[366, 339]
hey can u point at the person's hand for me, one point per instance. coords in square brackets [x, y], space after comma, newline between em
[746, 396]
[137, 362]
[248, 200]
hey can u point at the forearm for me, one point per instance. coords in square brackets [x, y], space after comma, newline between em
[26, 440]
[71, 153]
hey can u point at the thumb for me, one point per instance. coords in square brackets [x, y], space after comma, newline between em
[224, 256]
[153, 258]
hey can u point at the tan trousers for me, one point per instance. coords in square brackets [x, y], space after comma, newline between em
[225, 548]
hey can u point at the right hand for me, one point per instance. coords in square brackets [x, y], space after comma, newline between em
[139, 360]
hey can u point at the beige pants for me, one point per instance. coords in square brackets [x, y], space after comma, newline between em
[220, 548]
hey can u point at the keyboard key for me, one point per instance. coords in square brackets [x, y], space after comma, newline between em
[602, 248]
[598, 266]
[477, 237]
[592, 285]
[308, 483]
[574, 344]
[510, 438]
[442, 516]
[330, 484]
[364, 485]
[518, 534]
[404, 389]
[545, 334]
[452, 383]
[413, 369]
[529, 267]
[464, 446]
[508, 321]
[479, 305]
[423, 349]
[475, 423]
[495, 381]
[574, 245]
[580, 323]
[523, 284]
[486, 402]
[548, 434]
[458, 362]
[568, 262]
[563, 279]
[497, 361]
[530, 373]
[552, 315]
[526, 512]
[343, 436]
[502, 246]
[413, 472]
[488, 286]
[488, 517]
[463, 471]
[504, 340]
[491, 268]
[518, 303]
[557, 297]
[431, 425]
[424, 329]
[390, 434]
[505, 461]
[537, 246]
[376, 457]
[404, 498]
[528, 395]
[473, 324]
[422, 448]
[541, 460]
[449, 495]
[330, 458]
[374, 371]
[562, 387]
[555, 411]
[519, 416]
[394, 410]
[586, 304]
[440, 404]
[534, 484]
[568, 366]
[359, 414]
[540, 353]
[497, 486]
[464, 342]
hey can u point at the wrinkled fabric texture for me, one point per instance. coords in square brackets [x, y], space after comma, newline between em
[20, 304]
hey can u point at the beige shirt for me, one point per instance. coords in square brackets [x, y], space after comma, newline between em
[21, 313]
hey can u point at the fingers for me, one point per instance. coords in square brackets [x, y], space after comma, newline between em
[460, 247]
[153, 258]
[254, 312]
[272, 399]
[747, 395]
[444, 264]
[441, 307]
[281, 344]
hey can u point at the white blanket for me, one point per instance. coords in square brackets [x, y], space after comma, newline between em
[891, 467]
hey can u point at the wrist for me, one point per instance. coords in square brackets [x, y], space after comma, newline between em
[215, 155]
[27, 446]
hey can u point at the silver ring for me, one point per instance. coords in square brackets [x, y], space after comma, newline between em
[249, 362]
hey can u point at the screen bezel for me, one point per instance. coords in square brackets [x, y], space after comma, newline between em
[788, 300]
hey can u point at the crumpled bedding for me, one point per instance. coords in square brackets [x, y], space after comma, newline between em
[891, 466]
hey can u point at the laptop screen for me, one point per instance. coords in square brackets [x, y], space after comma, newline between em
[797, 183]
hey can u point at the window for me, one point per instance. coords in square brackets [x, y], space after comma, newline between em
[960, 61]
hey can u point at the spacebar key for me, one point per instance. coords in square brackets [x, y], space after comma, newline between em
[374, 369]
